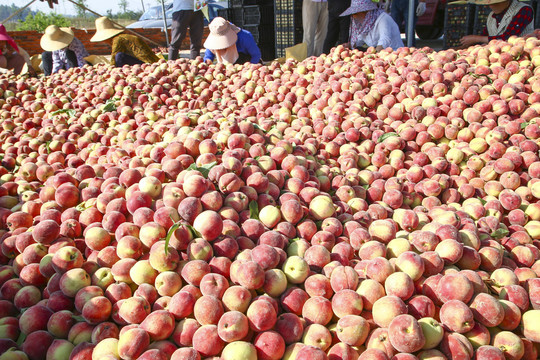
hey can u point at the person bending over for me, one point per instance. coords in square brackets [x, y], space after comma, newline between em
[126, 49]
[62, 50]
[371, 26]
[228, 43]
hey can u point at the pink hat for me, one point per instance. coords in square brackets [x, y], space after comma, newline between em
[222, 34]
[359, 6]
[5, 37]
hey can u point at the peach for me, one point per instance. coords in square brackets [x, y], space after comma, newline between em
[510, 344]
[159, 325]
[352, 330]
[386, 308]
[207, 341]
[457, 316]
[290, 326]
[233, 326]
[455, 287]
[132, 343]
[261, 315]
[317, 310]
[183, 332]
[208, 310]
[270, 345]
[405, 334]
[318, 336]
[347, 302]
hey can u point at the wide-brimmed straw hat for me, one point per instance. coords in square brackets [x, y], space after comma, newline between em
[105, 29]
[359, 6]
[5, 37]
[56, 38]
[222, 34]
[486, 2]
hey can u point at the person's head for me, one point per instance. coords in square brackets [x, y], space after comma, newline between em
[105, 30]
[359, 8]
[6, 39]
[223, 35]
[56, 38]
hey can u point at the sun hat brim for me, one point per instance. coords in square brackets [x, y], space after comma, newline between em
[65, 38]
[356, 8]
[105, 34]
[219, 42]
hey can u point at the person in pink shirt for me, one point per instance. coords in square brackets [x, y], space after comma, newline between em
[10, 58]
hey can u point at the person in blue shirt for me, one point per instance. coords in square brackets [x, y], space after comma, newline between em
[228, 43]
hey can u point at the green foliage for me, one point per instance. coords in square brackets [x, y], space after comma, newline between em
[39, 21]
[80, 10]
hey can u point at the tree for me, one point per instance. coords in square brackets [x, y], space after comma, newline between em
[123, 5]
[40, 21]
[81, 11]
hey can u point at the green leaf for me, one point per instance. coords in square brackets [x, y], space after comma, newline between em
[204, 169]
[70, 112]
[81, 207]
[386, 136]
[499, 233]
[48, 146]
[109, 106]
[365, 186]
[254, 210]
[21, 339]
[257, 126]
[523, 125]
[484, 202]
[78, 318]
[169, 234]
[194, 232]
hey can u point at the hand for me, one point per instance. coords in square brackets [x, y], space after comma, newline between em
[470, 40]
[421, 9]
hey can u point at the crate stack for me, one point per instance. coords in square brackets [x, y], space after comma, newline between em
[257, 17]
[458, 22]
[480, 17]
[288, 29]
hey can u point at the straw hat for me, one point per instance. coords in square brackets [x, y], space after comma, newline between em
[5, 37]
[359, 6]
[56, 38]
[222, 34]
[486, 2]
[105, 29]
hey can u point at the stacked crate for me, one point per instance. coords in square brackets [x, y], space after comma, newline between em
[480, 17]
[458, 22]
[257, 17]
[289, 32]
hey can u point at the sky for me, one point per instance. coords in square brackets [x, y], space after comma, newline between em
[67, 8]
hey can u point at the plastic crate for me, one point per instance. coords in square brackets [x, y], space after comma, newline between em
[288, 24]
[224, 13]
[458, 22]
[258, 14]
[480, 16]
[236, 16]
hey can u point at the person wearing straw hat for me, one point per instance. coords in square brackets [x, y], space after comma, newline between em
[507, 18]
[228, 43]
[371, 26]
[62, 50]
[126, 49]
[10, 56]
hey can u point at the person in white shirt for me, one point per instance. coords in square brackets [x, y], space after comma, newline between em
[315, 24]
[62, 50]
[371, 26]
[183, 17]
